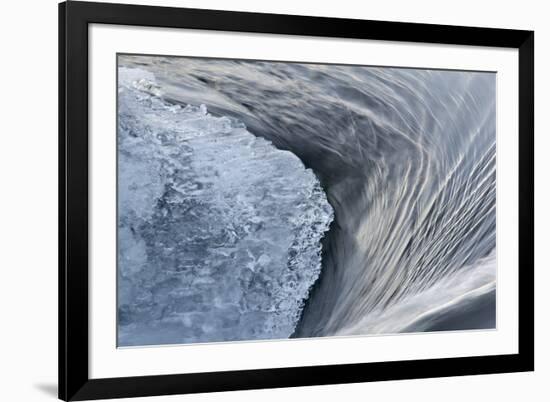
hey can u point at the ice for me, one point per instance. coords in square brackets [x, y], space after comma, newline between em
[218, 231]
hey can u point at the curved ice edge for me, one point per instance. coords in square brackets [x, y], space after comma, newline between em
[271, 305]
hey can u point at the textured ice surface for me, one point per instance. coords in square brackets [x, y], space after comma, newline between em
[218, 231]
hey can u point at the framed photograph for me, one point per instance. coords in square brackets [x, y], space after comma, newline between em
[257, 200]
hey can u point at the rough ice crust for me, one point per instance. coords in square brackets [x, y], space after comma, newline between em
[218, 231]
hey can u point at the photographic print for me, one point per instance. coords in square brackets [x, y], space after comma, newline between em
[267, 200]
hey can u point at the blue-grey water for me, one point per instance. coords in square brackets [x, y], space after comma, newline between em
[262, 200]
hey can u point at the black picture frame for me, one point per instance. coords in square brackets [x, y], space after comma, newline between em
[74, 381]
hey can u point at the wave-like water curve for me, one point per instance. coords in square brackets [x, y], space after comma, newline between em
[407, 160]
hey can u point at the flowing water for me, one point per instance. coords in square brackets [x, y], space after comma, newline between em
[406, 158]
